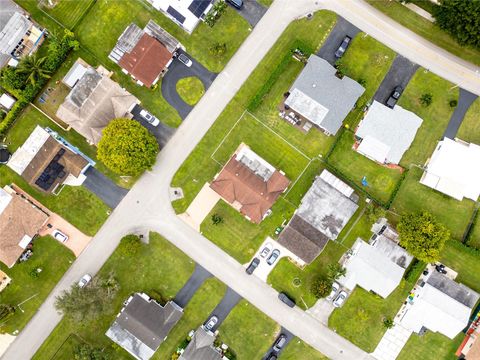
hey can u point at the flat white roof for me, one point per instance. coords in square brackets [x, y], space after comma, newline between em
[7, 101]
[5, 199]
[254, 162]
[74, 74]
[306, 106]
[374, 149]
[453, 169]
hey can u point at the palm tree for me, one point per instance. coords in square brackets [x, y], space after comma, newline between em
[33, 67]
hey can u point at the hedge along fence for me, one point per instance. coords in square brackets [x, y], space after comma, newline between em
[257, 99]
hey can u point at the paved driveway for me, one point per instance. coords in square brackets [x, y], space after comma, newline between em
[322, 310]
[110, 193]
[341, 29]
[251, 11]
[289, 337]
[177, 71]
[465, 99]
[162, 132]
[200, 207]
[186, 293]
[399, 74]
[229, 300]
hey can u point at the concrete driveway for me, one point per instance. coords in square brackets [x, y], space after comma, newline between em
[341, 29]
[110, 193]
[200, 207]
[289, 336]
[322, 310]
[162, 132]
[229, 300]
[399, 74]
[465, 99]
[177, 71]
[186, 293]
[251, 11]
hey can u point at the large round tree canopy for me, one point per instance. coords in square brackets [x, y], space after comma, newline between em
[127, 148]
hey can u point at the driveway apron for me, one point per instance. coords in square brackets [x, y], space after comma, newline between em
[465, 99]
[110, 193]
[252, 11]
[186, 293]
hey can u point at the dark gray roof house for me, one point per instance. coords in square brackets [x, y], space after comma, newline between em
[323, 213]
[143, 324]
[321, 97]
[201, 347]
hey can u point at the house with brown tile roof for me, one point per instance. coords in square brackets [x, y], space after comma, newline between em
[250, 184]
[20, 221]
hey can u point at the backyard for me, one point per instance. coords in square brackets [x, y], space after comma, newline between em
[470, 129]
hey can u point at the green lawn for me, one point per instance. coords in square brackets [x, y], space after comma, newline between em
[425, 28]
[298, 350]
[474, 235]
[470, 129]
[248, 332]
[198, 167]
[190, 89]
[415, 197]
[69, 12]
[54, 259]
[431, 346]
[367, 61]
[298, 189]
[266, 2]
[382, 181]
[159, 269]
[68, 348]
[435, 117]
[465, 261]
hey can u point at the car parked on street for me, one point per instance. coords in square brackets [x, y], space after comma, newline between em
[335, 288]
[340, 299]
[84, 280]
[343, 47]
[279, 343]
[184, 60]
[266, 250]
[60, 236]
[273, 257]
[285, 299]
[392, 100]
[253, 265]
[149, 118]
[211, 323]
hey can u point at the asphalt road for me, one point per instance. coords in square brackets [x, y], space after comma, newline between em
[221, 311]
[110, 193]
[251, 11]
[147, 205]
[465, 99]
[196, 280]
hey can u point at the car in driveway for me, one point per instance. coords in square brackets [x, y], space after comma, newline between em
[235, 3]
[60, 236]
[343, 47]
[84, 280]
[340, 299]
[272, 357]
[279, 343]
[392, 100]
[149, 118]
[273, 257]
[211, 323]
[335, 288]
[184, 59]
[286, 300]
[266, 250]
[253, 265]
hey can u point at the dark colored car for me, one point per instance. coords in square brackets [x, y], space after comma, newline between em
[279, 343]
[236, 3]
[273, 257]
[392, 100]
[253, 265]
[343, 47]
[285, 299]
[272, 357]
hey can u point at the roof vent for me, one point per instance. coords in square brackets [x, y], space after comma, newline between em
[314, 85]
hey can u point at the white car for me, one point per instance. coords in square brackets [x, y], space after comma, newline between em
[266, 250]
[340, 299]
[335, 288]
[57, 234]
[185, 60]
[149, 118]
[84, 280]
[211, 323]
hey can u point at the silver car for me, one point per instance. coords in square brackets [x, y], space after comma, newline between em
[340, 299]
[335, 288]
[211, 323]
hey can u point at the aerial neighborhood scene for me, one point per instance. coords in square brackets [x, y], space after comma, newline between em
[239, 179]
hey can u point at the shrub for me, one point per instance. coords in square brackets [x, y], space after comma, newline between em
[426, 99]
[453, 103]
[130, 245]
[321, 288]
[214, 14]
[217, 219]
[218, 49]
[388, 323]
[335, 271]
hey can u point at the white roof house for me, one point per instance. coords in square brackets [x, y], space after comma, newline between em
[453, 169]
[386, 134]
[377, 267]
[6, 101]
[442, 305]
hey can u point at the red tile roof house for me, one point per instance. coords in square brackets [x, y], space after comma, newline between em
[250, 184]
[145, 54]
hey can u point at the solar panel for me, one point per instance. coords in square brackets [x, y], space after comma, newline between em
[179, 17]
[197, 7]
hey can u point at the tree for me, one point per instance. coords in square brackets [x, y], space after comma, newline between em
[127, 147]
[335, 271]
[422, 236]
[6, 310]
[374, 212]
[426, 99]
[88, 352]
[461, 19]
[34, 68]
[130, 245]
[321, 288]
[217, 219]
[388, 323]
[11, 79]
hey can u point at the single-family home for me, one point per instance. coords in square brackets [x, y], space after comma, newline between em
[20, 221]
[46, 160]
[94, 100]
[7, 101]
[201, 347]
[320, 97]
[19, 36]
[452, 169]
[185, 13]
[469, 349]
[324, 211]
[250, 184]
[384, 134]
[143, 324]
[439, 304]
[145, 54]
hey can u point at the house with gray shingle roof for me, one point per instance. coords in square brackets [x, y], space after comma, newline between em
[322, 98]
[201, 347]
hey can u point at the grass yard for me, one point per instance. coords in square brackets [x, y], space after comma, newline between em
[298, 189]
[297, 350]
[248, 332]
[68, 348]
[474, 235]
[382, 181]
[425, 28]
[190, 90]
[69, 12]
[435, 117]
[431, 346]
[199, 167]
[465, 261]
[470, 129]
[266, 3]
[159, 269]
[367, 61]
[54, 259]
[415, 197]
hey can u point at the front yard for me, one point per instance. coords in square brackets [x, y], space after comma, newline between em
[431, 346]
[470, 129]
[297, 349]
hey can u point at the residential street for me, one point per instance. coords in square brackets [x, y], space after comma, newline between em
[147, 205]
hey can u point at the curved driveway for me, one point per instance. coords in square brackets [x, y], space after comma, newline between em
[148, 202]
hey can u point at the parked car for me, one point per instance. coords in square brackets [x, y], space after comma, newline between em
[149, 117]
[185, 60]
[60, 236]
[266, 250]
[253, 265]
[343, 47]
[285, 299]
[236, 3]
[392, 100]
[340, 299]
[279, 343]
[84, 280]
[211, 323]
[273, 257]
[335, 288]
